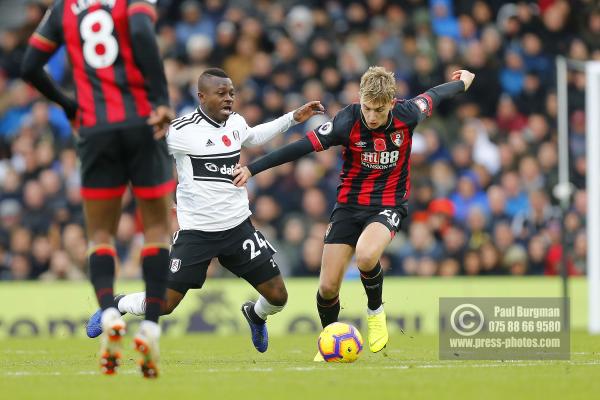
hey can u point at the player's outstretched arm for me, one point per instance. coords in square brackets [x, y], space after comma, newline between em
[287, 153]
[262, 133]
[461, 81]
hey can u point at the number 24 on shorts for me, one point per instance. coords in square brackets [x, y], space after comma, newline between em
[252, 245]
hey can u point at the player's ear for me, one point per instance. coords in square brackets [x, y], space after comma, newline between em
[200, 96]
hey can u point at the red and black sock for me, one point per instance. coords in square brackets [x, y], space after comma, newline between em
[373, 283]
[101, 264]
[329, 309]
[155, 267]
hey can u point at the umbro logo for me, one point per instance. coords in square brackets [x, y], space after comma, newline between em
[360, 144]
[210, 143]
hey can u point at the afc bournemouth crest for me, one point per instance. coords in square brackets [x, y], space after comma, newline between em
[175, 264]
[397, 138]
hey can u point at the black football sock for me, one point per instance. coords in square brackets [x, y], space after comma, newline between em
[373, 282]
[117, 299]
[155, 266]
[251, 313]
[101, 264]
[329, 309]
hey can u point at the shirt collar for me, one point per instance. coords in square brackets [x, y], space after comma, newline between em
[209, 119]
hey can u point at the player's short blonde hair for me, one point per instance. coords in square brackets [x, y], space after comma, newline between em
[377, 86]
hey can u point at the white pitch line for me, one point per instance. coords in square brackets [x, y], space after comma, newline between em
[448, 365]
[24, 351]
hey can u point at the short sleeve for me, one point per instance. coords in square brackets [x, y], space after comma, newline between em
[334, 132]
[147, 7]
[175, 142]
[49, 34]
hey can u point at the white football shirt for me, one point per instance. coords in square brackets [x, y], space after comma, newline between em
[206, 153]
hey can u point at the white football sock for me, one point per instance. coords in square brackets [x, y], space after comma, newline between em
[109, 315]
[374, 312]
[134, 303]
[150, 329]
[263, 308]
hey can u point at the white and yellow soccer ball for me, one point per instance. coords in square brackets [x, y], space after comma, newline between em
[340, 342]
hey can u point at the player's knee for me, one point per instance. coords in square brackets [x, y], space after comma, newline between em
[329, 290]
[366, 258]
[278, 297]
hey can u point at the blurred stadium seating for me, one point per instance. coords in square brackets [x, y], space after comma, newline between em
[482, 168]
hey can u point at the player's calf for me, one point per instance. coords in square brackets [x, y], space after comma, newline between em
[329, 309]
[155, 261]
[372, 281]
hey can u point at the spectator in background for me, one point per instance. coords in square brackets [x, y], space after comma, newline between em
[62, 268]
[516, 197]
[515, 260]
[422, 246]
[491, 260]
[193, 22]
[467, 196]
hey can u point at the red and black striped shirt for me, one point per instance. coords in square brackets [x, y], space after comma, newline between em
[110, 86]
[376, 168]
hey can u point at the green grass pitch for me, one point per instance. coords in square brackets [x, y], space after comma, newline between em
[228, 367]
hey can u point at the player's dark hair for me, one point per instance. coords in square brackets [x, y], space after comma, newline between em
[218, 72]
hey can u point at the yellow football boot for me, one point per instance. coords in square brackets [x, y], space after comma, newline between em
[378, 333]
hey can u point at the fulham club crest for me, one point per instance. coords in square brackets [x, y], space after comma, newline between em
[175, 264]
[397, 138]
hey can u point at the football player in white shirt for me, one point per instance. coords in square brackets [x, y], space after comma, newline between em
[213, 214]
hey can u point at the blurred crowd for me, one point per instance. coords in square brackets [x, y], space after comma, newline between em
[483, 167]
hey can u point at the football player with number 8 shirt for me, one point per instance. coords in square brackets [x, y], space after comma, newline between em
[120, 116]
[375, 185]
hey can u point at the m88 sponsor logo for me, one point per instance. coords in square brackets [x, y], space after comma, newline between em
[379, 159]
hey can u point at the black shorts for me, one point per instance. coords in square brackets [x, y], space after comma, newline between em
[242, 250]
[112, 158]
[347, 222]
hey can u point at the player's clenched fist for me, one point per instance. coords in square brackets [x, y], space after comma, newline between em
[465, 76]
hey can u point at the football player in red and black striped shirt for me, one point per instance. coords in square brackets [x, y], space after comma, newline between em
[375, 184]
[121, 114]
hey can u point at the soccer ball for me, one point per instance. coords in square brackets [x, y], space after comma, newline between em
[340, 342]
